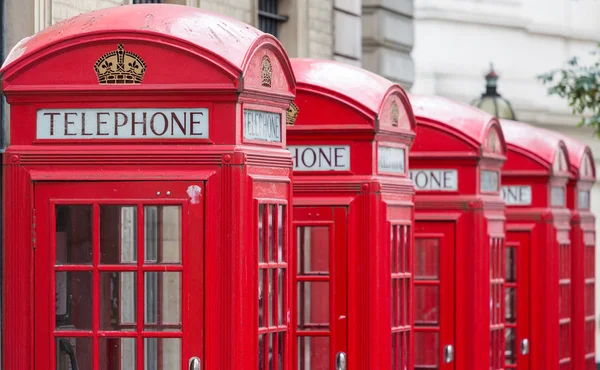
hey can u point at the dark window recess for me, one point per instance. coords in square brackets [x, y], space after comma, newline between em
[269, 17]
[147, 1]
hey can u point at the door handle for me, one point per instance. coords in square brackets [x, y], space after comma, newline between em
[340, 361]
[448, 354]
[194, 363]
[525, 346]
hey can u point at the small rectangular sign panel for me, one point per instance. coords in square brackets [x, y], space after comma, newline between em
[122, 123]
[557, 196]
[262, 126]
[435, 179]
[489, 181]
[390, 159]
[321, 157]
[517, 195]
[583, 199]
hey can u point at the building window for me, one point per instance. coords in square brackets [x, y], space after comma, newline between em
[272, 284]
[269, 17]
[147, 1]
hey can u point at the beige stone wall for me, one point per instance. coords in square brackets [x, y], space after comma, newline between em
[63, 9]
[320, 29]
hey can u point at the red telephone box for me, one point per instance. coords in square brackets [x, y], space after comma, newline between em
[147, 194]
[583, 244]
[538, 295]
[459, 237]
[353, 216]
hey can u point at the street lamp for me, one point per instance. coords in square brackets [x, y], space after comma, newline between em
[491, 101]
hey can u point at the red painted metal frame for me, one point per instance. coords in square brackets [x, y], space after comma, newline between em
[451, 135]
[187, 67]
[583, 236]
[343, 105]
[532, 161]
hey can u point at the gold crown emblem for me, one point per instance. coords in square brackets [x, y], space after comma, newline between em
[291, 114]
[266, 71]
[394, 113]
[120, 67]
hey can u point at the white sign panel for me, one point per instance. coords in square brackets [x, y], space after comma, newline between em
[390, 159]
[557, 196]
[262, 126]
[583, 199]
[123, 123]
[517, 195]
[321, 157]
[435, 179]
[489, 181]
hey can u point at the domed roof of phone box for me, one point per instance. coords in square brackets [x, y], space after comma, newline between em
[354, 86]
[466, 122]
[222, 36]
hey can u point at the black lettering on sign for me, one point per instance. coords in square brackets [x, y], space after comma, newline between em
[434, 179]
[516, 195]
[390, 159]
[321, 157]
[262, 126]
[134, 123]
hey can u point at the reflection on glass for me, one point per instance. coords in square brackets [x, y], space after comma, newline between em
[313, 353]
[270, 295]
[280, 295]
[271, 233]
[117, 353]
[117, 300]
[427, 259]
[281, 348]
[118, 234]
[162, 301]
[74, 353]
[261, 297]
[162, 234]
[272, 337]
[261, 352]
[511, 305]
[73, 299]
[73, 235]
[511, 264]
[261, 233]
[162, 353]
[313, 250]
[281, 236]
[427, 303]
[313, 309]
[511, 346]
[427, 349]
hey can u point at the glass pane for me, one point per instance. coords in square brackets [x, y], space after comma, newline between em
[74, 353]
[117, 300]
[162, 301]
[118, 234]
[271, 344]
[394, 249]
[511, 346]
[405, 298]
[271, 233]
[427, 259]
[281, 289]
[261, 352]
[261, 297]
[313, 250]
[313, 353]
[406, 247]
[117, 353]
[73, 235]
[427, 301]
[73, 297]
[162, 353]
[281, 209]
[281, 349]
[261, 233]
[427, 349]
[271, 295]
[313, 305]
[511, 305]
[162, 234]
[396, 302]
[511, 264]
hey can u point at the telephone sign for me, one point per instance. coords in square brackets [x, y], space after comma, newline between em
[321, 157]
[432, 179]
[517, 195]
